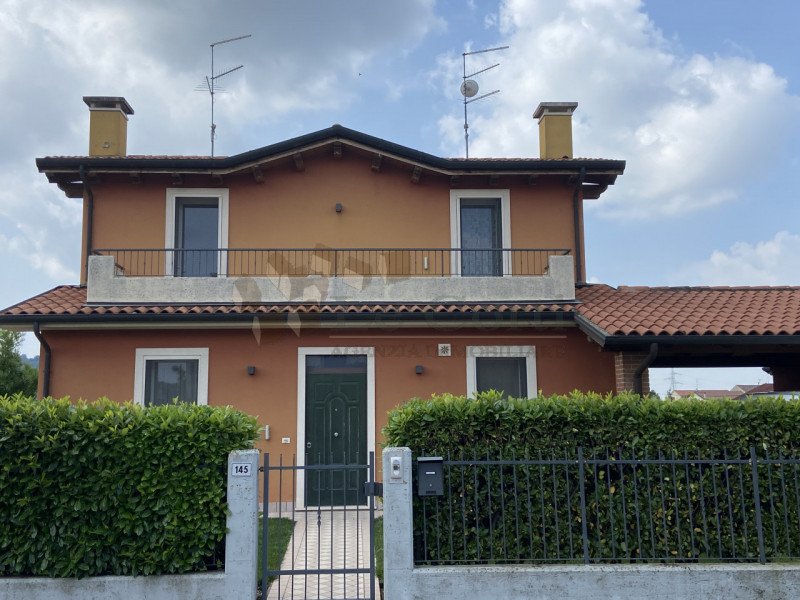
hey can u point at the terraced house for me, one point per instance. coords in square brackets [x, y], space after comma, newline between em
[319, 281]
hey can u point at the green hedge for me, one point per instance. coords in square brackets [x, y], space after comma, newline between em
[490, 423]
[102, 488]
[532, 513]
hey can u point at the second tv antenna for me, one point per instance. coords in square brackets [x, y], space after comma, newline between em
[469, 88]
[210, 82]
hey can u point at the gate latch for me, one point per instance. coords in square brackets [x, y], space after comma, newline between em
[373, 488]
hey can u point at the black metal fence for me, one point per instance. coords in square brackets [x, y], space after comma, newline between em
[331, 552]
[613, 507]
[331, 262]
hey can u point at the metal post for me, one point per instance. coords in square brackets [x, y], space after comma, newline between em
[265, 529]
[466, 124]
[584, 526]
[757, 500]
[372, 526]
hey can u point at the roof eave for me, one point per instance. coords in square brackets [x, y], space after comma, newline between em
[22, 321]
[621, 342]
[58, 167]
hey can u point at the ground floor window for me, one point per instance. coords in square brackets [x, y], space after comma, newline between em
[163, 374]
[508, 369]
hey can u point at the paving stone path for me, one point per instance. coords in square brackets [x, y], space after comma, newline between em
[324, 540]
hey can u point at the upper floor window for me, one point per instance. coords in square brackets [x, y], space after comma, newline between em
[197, 227]
[480, 228]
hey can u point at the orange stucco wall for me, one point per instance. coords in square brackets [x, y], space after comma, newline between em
[89, 364]
[295, 209]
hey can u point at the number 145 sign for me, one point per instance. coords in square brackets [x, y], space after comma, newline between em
[241, 470]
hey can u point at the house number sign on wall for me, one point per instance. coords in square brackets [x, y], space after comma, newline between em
[241, 470]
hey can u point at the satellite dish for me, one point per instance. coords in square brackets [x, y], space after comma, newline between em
[469, 88]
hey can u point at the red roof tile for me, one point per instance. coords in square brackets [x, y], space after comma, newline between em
[624, 311]
[68, 300]
[633, 311]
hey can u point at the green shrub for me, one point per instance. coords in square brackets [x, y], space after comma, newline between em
[103, 488]
[490, 423]
[532, 512]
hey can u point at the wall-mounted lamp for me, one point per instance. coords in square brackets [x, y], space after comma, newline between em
[338, 207]
[251, 370]
[419, 369]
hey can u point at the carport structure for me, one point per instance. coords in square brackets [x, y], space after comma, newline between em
[694, 327]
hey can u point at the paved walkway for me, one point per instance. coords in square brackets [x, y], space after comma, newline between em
[325, 540]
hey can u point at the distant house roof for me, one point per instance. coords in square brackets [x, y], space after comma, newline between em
[737, 391]
[705, 393]
[663, 313]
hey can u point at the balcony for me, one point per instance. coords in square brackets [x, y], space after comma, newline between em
[264, 275]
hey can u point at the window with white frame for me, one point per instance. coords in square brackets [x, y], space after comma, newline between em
[197, 227]
[507, 369]
[164, 374]
[480, 228]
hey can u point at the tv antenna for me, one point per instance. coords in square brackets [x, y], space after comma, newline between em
[210, 83]
[469, 88]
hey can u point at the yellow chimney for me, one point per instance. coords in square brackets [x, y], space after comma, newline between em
[108, 125]
[555, 128]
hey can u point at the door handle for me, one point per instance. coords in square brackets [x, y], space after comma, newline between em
[308, 444]
[335, 434]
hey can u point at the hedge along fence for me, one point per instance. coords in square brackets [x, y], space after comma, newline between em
[698, 504]
[103, 488]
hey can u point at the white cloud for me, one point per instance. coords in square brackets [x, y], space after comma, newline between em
[771, 262]
[693, 129]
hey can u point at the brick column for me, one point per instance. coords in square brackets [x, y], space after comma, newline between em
[625, 365]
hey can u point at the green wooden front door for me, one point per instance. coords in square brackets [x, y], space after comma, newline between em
[336, 428]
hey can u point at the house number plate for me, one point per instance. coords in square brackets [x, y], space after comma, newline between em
[241, 470]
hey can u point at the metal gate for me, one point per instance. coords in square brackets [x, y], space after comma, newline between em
[331, 552]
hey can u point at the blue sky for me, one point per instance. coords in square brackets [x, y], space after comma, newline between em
[701, 98]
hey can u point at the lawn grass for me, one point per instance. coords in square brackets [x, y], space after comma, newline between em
[379, 548]
[280, 532]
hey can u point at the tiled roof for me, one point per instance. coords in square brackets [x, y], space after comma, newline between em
[67, 300]
[634, 311]
[624, 311]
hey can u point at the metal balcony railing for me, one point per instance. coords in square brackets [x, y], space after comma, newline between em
[331, 262]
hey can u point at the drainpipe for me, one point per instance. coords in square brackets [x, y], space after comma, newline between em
[47, 357]
[87, 190]
[576, 223]
[638, 384]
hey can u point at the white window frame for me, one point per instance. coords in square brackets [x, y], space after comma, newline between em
[526, 352]
[455, 224]
[302, 353]
[145, 354]
[221, 194]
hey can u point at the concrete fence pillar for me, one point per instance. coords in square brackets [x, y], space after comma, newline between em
[398, 544]
[241, 543]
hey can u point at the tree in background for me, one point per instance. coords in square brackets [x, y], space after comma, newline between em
[15, 375]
